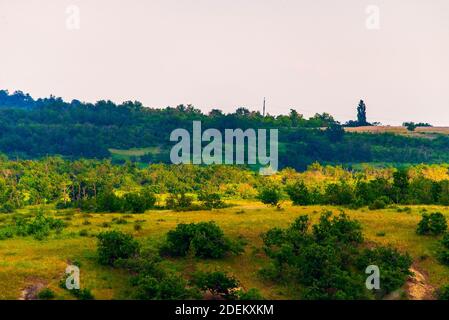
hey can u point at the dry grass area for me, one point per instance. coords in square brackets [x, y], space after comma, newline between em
[419, 131]
[25, 262]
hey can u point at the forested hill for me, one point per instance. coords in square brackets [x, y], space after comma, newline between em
[32, 128]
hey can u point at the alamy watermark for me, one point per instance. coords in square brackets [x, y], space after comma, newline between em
[373, 280]
[73, 19]
[372, 21]
[73, 277]
[237, 143]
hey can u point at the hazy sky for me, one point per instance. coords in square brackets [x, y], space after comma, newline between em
[312, 55]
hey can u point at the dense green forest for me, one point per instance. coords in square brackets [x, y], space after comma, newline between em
[32, 128]
[99, 185]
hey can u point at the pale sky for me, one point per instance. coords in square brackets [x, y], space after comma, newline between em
[314, 55]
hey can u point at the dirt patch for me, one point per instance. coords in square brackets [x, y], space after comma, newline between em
[417, 286]
[30, 292]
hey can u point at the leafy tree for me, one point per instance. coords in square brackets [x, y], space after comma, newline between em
[299, 193]
[204, 240]
[113, 245]
[270, 195]
[433, 224]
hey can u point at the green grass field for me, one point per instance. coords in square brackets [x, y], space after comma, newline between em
[27, 263]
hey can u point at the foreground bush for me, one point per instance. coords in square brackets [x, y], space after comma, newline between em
[219, 284]
[204, 240]
[443, 252]
[152, 282]
[328, 262]
[394, 267]
[433, 224]
[443, 293]
[113, 245]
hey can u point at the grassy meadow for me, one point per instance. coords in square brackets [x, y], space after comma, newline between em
[28, 264]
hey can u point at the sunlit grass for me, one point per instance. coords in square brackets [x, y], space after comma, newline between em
[24, 260]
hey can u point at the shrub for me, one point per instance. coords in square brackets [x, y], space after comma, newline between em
[113, 245]
[328, 262]
[167, 287]
[204, 239]
[394, 267]
[270, 196]
[138, 202]
[251, 294]
[39, 227]
[443, 293]
[217, 283]
[6, 233]
[211, 200]
[443, 252]
[137, 226]
[82, 294]
[379, 204]
[120, 221]
[45, 294]
[151, 281]
[433, 224]
[107, 201]
[299, 194]
[179, 202]
[83, 233]
[339, 194]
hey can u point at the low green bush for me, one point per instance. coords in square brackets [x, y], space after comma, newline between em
[113, 245]
[218, 283]
[204, 240]
[46, 294]
[270, 195]
[433, 224]
[443, 293]
[328, 261]
[299, 194]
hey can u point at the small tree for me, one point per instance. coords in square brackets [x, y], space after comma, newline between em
[113, 245]
[211, 200]
[270, 196]
[299, 194]
[433, 224]
[411, 126]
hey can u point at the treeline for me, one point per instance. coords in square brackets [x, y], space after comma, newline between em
[99, 185]
[36, 128]
[376, 194]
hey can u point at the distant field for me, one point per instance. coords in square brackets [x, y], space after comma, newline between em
[420, 131]
[134, 151]
[27, 263]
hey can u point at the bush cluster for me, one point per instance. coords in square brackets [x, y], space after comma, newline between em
[328, 261]
[204, 240]
[108, 201]
[39, 227]
[114, 245]
[377, 193]
[432, 224]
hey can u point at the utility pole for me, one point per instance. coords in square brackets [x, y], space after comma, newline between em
[264, 106]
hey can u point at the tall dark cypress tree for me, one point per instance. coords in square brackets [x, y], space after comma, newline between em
[361, 114]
